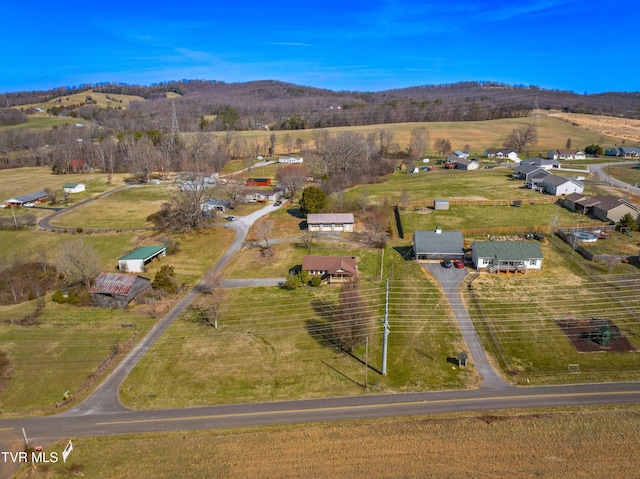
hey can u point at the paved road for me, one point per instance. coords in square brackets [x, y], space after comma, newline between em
[598, 172]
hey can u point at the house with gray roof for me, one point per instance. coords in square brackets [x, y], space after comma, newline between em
[437, 245]
[606, 207]
[507, 256]
[560, 186]
[544, 163]
[524, 171]
[36, 197]
[630, 151]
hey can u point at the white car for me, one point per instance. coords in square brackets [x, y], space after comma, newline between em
[230, 218]
[28, 204]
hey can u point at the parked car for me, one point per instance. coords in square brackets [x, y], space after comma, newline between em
[230, 218]
[446, 263]
[28, 204]
[458, 263]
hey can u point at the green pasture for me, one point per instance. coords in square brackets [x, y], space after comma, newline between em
[37, 245]
[43, 122]
[270, 346]
[60, 353]
[518, 317]
[627, 172]
[128, 208]
[20, 181]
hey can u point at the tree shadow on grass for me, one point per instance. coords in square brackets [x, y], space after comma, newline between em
[321, 331]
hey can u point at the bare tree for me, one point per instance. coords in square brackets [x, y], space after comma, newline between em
[79, 262]
[405, 198]
[375, 228]
[232, 192]
[418, 142]
[351, 322]
[292, 176]
[385, 139]
[520, 138]
[210, 308]
[442, 146]
[308, 238]
[263, 230]
[272, 144]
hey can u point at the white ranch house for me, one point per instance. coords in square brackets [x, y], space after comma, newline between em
[506, 256]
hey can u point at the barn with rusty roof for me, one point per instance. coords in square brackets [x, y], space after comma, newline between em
[117, 290]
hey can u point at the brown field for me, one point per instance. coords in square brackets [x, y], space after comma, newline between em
[622, 128]
[579, 443]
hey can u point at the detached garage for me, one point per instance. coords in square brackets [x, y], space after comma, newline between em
[330, 221]
[135, 261]
[437, 245]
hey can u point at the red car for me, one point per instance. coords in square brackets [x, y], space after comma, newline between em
[458, 263]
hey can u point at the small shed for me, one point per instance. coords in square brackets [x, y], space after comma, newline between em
[116, 290]
[136, 260]
[441, 204]
[73, 187]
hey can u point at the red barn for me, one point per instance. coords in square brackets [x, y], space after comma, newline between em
[258, 181]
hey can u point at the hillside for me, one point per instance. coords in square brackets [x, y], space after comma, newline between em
[256, 104]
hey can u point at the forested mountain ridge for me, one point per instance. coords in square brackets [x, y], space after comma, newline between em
[216, 105]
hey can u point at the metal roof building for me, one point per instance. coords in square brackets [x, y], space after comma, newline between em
[438, 244]
[330, 221]
[117, 290]
[136, 260]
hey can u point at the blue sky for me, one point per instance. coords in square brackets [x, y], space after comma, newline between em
[577, 45]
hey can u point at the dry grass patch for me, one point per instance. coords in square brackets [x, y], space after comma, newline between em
[549, 444]
[610, 126]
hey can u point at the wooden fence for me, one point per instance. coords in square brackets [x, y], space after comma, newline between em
[523, 230]
[542, 200]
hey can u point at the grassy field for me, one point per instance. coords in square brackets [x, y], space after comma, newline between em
[60, 353]
[476, 135]
[128, 208]
[627, 173]
[19, 181]
[115, 100]
[517, 316]
[561, 443]
[268, 346]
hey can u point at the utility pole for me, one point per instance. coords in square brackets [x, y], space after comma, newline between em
[366, 363]
[385, 322]
[175, 128]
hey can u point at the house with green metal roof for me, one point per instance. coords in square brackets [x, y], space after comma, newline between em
[506, 256]
[136, 260]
